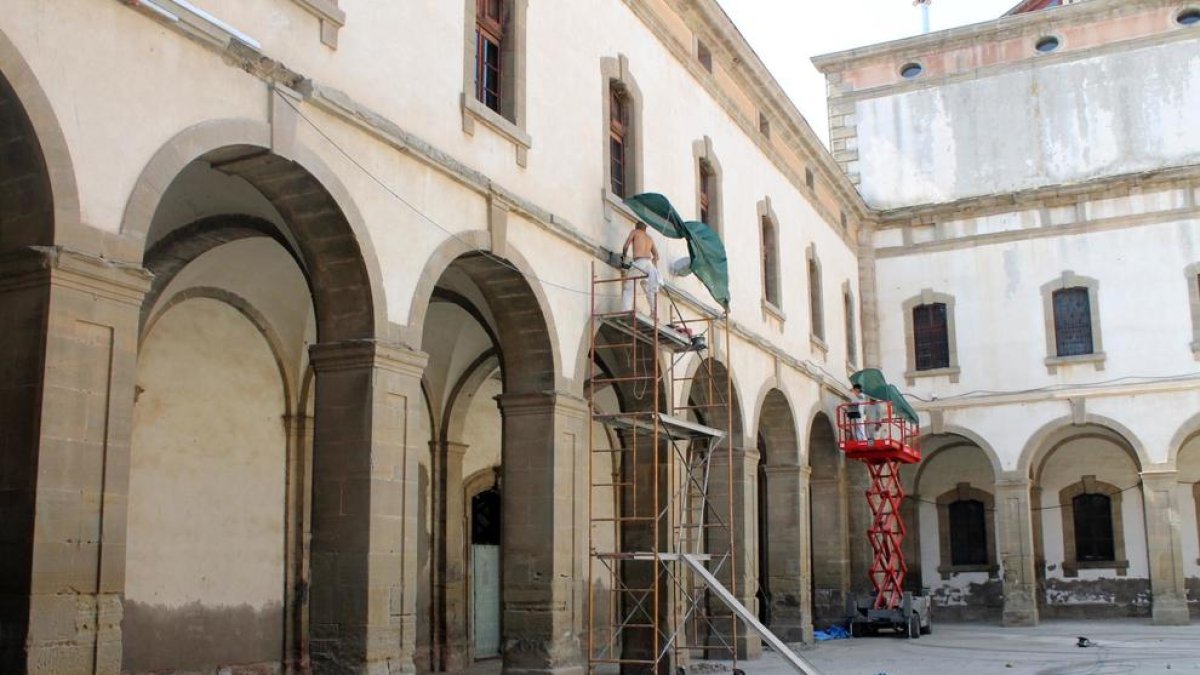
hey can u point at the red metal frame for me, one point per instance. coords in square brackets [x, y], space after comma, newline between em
[883, 440]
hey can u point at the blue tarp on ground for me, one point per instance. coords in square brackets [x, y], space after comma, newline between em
[832, 633]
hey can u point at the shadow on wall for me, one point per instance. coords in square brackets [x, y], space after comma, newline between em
[194, 637]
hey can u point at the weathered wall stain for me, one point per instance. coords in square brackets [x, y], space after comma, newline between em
[973, 602]
[194, 637]
[1192, 584]
[1095, 598]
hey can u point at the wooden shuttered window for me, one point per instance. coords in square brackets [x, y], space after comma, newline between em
[489, 43]
[931, 339]
[618, 146]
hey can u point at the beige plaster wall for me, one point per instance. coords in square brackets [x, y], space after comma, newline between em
[206, 503]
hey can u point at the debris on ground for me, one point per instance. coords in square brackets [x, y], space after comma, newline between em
[831, 633]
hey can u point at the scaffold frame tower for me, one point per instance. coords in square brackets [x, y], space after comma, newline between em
[651, 564]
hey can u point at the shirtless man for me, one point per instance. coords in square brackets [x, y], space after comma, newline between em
[645, 259]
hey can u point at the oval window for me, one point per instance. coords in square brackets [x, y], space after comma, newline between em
[1188, 17]
[910, 70]
[1047, 44]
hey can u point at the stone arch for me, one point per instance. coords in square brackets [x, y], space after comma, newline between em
[247, 310]
[43, 160]
[1044, 440]
[776, 423]
[1186, 432]
[965, 437]
[512, 268]
[331, 237]
[698, 371]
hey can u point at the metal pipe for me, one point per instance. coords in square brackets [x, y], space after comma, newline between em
[155, 9]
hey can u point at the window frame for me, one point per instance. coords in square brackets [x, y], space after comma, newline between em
[1191, 275]
[816, 298]
[929, 297]
[770, 269]
[706, 159]
[942, 340]
[1067, 280]
[851, 328]
[964, 492]
[618, 81]
[509, 122]
[1071, 564]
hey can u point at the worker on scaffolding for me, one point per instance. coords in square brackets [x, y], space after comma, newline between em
[645, 260]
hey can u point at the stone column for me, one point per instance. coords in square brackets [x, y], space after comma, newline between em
[68, 335]
[1160, 492]
[789, 564]
[860, 519]
[450, 588]
[1014, 525]
[744, 482]
[364, 520]
[830, 547]
[544, 447]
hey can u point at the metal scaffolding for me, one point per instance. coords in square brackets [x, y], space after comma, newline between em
[650, 608]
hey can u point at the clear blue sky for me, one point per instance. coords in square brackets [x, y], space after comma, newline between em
[787, 33]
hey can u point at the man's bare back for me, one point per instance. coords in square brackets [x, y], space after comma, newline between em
[642, 244]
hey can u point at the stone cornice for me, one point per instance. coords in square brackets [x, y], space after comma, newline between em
[741, 63]
[987, 31]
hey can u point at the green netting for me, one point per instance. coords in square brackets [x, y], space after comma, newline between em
[704, 246]
[876, 386]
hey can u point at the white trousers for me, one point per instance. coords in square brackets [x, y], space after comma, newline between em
[650, 284]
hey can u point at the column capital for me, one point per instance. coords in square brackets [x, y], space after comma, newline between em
[114, 280]
[528, 403]
[369, 353]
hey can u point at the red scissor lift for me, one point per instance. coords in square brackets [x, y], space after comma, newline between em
[875, 434]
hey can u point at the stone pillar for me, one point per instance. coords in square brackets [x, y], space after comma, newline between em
[1160, 492]
[544, 447]
[743, 582]
[68, 335]
[450, 587]
[364, 514]
[1014, 525]
[830, 547]
[789, 565]
[862, 556]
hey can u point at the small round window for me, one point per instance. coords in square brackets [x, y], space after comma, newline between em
[910, 70]
[1047, 44]
[1188, 17]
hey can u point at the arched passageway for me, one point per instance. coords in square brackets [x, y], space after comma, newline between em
[784, 564]
[498, 426]
[829, 524]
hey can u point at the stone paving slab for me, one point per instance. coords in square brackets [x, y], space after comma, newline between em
[1121, 646]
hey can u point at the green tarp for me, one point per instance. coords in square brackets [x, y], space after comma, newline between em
[704, 246]
[874, 385]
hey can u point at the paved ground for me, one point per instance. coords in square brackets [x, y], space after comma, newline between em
[1121, 646]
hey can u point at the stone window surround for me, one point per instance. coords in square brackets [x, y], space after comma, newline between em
[1192, 275]
[964, 491]
[929, 297]
[511, 124]
[616, 71]
[766, 213]
[851, 326]
[816, 311]
[702, 151]
[1071, 280]
[1089, 485]
[331, 16]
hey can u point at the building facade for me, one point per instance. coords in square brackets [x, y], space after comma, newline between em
[1031, 277]
[296, 301]
[296, 304]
